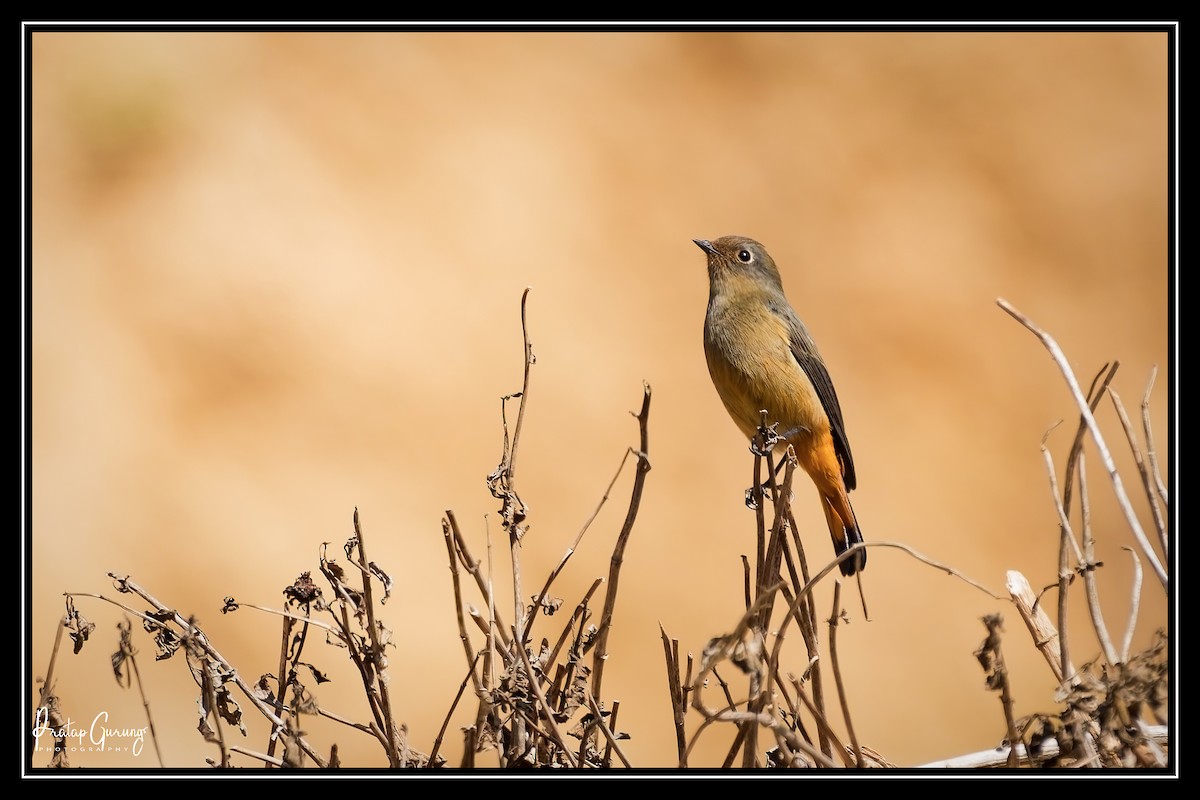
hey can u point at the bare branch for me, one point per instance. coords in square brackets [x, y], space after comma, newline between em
[618, 556]
[1115, 476]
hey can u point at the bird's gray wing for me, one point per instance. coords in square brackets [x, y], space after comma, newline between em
[806, 355]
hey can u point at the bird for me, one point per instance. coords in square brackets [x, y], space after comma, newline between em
[761, 357]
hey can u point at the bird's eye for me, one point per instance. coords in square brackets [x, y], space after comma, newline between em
[744, 256]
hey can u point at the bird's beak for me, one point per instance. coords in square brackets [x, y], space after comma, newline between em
[706, 246]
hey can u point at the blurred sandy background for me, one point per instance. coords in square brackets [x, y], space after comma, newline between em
[277, 276]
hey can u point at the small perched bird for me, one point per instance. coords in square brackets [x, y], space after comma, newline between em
[762, 358]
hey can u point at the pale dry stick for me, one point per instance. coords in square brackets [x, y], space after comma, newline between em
[1135, 600]
[574, 545]
[1086, 568]
[1151, 454]
[600, 656]
[270, 760]
[126, 585]
[1065, 537]
[1091, 590]
[1041, 628]
[1160, 757]
[536, 685]
[807, 589]
[1144, 470]
[287, 615]
[988, 759]
[1118, 486]
[1100, 384]
[837, 673]
[606, 730]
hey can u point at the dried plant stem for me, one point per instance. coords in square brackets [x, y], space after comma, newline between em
[1086, 567]
[609, 729]
[289, 616]
[578, 618]
[1100, 384]
[837, 673]
[600, 656]
[1151, 453]
[989, 759]
[468, 678]
[541, 596]
[609, 736]
[1091, 591]
[468, 651]
[548, 713]
[481, 581]
[826, 732]
[769, 571]
[1045, 635]
[1131, 518]
[675, 691]
[1144, 470]
[395, 758]
[991, 656]
[124, 584]
[137, 676]
[513, 512]
[268, 759]
[46, 689]
[281, 684]
[1135, 599]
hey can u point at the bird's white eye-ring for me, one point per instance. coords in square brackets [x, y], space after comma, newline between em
[744, 256]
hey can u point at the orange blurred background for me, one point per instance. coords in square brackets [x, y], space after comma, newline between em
[277, 277]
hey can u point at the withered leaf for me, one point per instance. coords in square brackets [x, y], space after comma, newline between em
[384, 578]
[316, 673]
